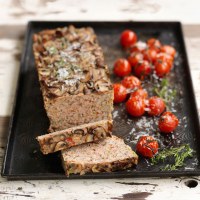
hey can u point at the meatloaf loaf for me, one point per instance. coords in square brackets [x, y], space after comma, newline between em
[107, 155]
[73, 76]
[59, 140]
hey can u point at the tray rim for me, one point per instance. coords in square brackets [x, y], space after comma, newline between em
[10, 126]
[48, 176]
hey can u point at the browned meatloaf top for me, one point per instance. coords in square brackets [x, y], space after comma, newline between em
[70, 62]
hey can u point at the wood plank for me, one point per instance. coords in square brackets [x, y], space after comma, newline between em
[19, 12]
[4, 124]
[12, 31]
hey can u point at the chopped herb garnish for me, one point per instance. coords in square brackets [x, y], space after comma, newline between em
[164, 91]
[178, 154]
[62, 63]
[63, 42]
[52, 50]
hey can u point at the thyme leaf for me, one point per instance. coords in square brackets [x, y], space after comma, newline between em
[179, 154]
[52, 50]
[164, 91]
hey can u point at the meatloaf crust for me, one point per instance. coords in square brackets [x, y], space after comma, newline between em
[107, 155]
[73, 76]
[64, 139]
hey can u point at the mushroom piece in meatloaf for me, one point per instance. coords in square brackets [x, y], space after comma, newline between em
[73, 76]
[64, 139]
[107, 155]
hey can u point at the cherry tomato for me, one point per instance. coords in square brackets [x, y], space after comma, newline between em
[156, 106]
[150, 55]
[120, 93]
[138, 47]
[135, 106]
[155, 44]
[147, 146]
[131, 82]
[168, 50]
[70, 141]
[135, 58]
[122, 67]
[142, 69]
[128, 38]
[163, 57]
[140, 93]
[168, 122]
[162, 68]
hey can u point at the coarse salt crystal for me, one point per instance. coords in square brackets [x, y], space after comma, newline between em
[141, 45]
[115, 114]
[132, 131]
[62, 73]
[70, 82]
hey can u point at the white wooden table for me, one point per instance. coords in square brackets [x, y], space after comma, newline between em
[14, 15]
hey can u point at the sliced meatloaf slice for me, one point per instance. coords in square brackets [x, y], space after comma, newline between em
[59, 140]
[73, 76]
[107, 155]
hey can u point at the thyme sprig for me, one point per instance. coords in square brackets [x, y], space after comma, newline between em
[179, 154]
[163, 91]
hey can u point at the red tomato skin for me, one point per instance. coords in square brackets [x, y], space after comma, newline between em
[131, 82]
[135, 106]
[120, 93]
[122, 67]
[140, 93]
[168, 122]
[135, 58]
[155, 44]
[150, 55]
[70, 141]
[163, 57]
[143, 69]
[147, 146]
[128, 38]
[156, 106]
[162, 68]
[168, 50]
[135, 49]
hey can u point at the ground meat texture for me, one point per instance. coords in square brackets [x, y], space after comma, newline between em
[107, 155]
[73, 76]
[72, 111]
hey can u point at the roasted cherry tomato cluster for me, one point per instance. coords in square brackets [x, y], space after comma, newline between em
[144, 57]
[147, 146]
[138, 102]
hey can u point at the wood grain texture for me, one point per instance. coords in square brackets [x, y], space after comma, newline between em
[4, 123]
[19, 11]
[13, 18]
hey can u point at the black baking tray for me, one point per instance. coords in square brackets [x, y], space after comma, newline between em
[23, 160]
